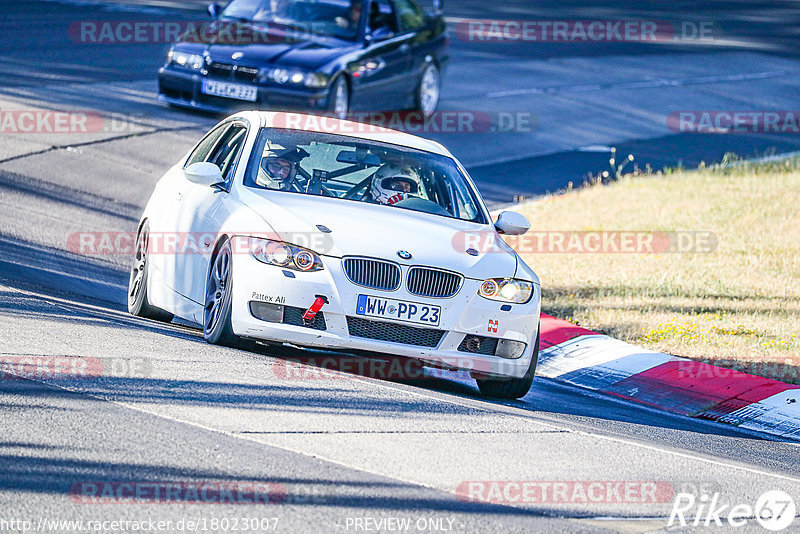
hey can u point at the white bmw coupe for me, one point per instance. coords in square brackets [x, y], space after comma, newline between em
[330, 234]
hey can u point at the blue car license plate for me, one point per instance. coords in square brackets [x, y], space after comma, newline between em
[230, 90]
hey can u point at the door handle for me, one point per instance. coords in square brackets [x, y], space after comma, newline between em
[404, 48]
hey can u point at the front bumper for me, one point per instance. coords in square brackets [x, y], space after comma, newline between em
[184, 88]
[465, 314]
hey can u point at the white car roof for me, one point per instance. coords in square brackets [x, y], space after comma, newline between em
[315, 123]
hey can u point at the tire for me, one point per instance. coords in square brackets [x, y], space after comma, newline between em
[428, 91]
[511, 388]
[138, 302]
[217, 328]
[339, 98]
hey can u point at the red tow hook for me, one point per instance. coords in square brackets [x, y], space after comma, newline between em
[310, 313]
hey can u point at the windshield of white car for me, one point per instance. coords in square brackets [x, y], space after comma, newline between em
[338, 18]
[347, 168]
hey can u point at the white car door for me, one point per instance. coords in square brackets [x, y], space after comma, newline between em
[164, 206]
[200, 212]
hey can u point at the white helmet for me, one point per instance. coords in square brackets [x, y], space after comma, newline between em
[279, 167]
[393, 183]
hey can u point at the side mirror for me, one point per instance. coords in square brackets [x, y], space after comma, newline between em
[203, 173]
[214, 10]
[512, 223]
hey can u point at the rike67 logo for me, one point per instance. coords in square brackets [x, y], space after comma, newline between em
[774, 510]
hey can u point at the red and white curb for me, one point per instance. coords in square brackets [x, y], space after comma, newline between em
[586, 359]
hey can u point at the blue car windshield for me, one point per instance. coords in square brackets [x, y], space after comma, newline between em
[337, 18]
[358, 170]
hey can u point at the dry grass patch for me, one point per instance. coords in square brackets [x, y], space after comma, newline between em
[738, 306]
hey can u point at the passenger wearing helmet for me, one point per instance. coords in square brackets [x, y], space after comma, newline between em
[393, 183]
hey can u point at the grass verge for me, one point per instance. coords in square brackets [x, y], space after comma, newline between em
[735, 302]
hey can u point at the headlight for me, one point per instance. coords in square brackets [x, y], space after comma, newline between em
[293, 77]
[182, 59]
[316, 79]
[284, 255]
[506, 290]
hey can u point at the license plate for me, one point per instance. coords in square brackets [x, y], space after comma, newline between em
[398, 310]
[230, 90]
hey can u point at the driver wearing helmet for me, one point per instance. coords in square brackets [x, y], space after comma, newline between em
[279, 168]
[393, 183]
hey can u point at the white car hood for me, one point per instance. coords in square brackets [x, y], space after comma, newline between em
[362, 229]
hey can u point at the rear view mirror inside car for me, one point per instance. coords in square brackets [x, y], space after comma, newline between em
[358, 157]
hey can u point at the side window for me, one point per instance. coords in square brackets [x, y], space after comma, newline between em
[226, 153]
[382, 16]
[204, 147]
[411, 16]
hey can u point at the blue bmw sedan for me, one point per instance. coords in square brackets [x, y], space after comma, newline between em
[324, 56]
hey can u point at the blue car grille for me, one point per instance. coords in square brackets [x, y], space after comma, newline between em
[230, 71]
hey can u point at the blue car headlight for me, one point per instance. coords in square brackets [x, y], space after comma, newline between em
[506, 290]
[284, 255]
[288, 76]
[187, 61]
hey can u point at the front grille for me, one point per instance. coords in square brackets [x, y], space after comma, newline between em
[394, 333]
[235, 72]
[245, 74]
[428, 282]
[374, 274]
[479, 345]
[220, 70]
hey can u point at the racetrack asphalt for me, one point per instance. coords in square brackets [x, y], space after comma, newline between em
[170, 408]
